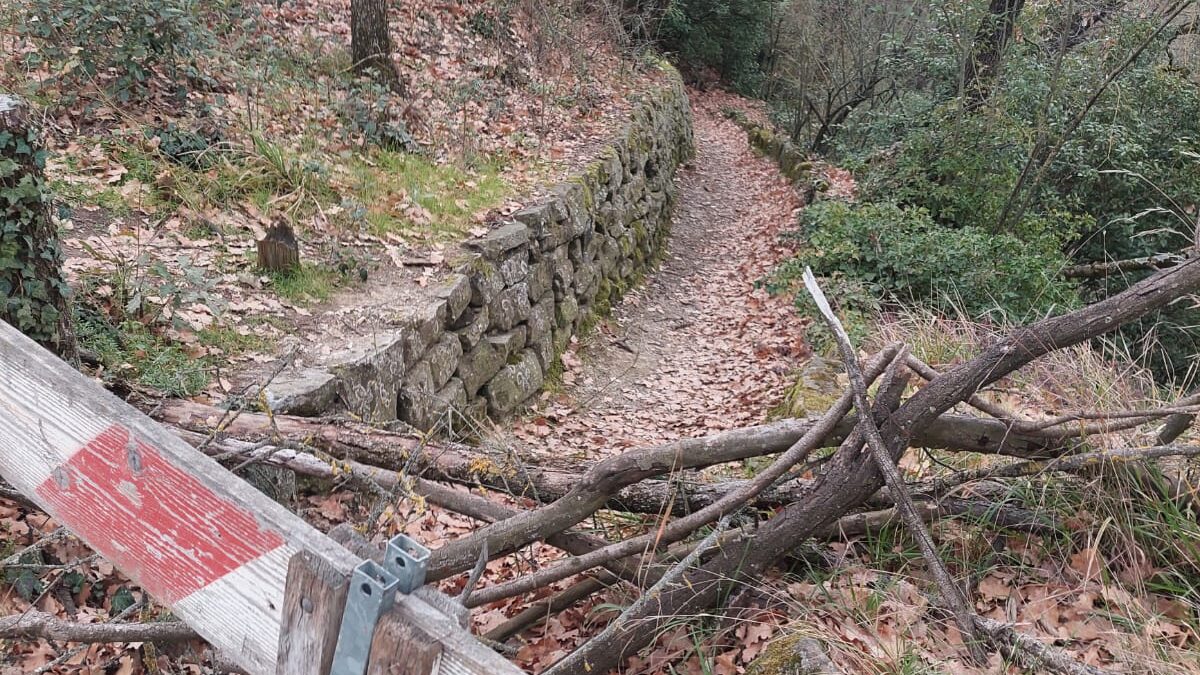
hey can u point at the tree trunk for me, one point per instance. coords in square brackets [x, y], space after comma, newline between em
[34, 291]
[991, 38]
[370, 43]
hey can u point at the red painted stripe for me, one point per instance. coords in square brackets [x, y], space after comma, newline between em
[157, 523]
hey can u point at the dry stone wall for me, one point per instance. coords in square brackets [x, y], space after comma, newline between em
[485, 339]
[792, 160]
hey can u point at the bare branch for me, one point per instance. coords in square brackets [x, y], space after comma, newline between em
[952, 593]
[1091, 460]
[684, 526]
[34, 625]
[1037, 653]
[1104, 269]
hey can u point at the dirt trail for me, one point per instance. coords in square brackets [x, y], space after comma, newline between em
[698, 348]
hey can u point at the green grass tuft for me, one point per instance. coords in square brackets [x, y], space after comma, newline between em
[450, 194]
[133, 353]
[306, 284]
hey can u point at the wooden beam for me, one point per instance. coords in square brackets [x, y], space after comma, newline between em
[401, 649]
[193, 535]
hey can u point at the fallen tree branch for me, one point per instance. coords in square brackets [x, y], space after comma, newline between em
[1091, 460]
[541, 611]
[590, 494]
[684, 526]
[1103, 269]
[474, 466]
[1034, 652]
[873, 522]
[33, 625]
[1130, 419]
[468, 504]
[952, 593]
[847, 527]
[1177, 425]
[847, 481]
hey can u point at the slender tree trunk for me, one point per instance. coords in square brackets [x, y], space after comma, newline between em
[370, 42]
[34, 296]
[991, 38]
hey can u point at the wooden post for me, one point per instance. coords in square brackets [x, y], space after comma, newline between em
[33, 291]
[279, 251]
[314, 598]
[193, 535]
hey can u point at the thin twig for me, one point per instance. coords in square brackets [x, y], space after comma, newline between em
[951, 591]
[34, 625]
[1089, 460]
[15, 559]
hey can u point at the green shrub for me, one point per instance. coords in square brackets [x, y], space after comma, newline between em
[195, 149]
[32, 290]
[728, 35]
[371, 112]
[130, 351]
[120, 43]
[882, 250]
[1120, 186]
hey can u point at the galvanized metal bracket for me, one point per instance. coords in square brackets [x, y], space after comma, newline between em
[373, 589]
[407, 559]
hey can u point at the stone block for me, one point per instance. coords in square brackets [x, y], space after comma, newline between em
[564, 271]
[309, 392]
[566, 312]
[369, 375]
[515, 266]
[539, 279]
[500, 240]
[443, 358]
[486, 281]
[541, 319]
[456, 292]
[544, 348]
[510, 307]
[416, 396]
[479, 365]
[452, 397]
[542, 219]
[514, 384]
[425, 323]
[471, 326]
[509, 342]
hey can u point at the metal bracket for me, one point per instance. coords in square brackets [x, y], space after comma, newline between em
[373, 589]
[406, 558]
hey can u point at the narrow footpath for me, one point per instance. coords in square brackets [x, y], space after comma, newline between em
[700, 347]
